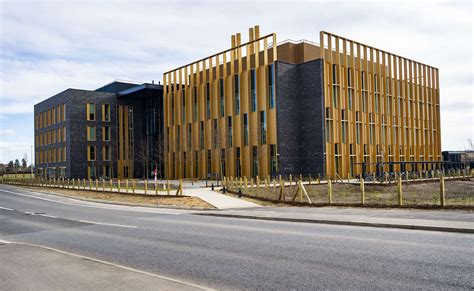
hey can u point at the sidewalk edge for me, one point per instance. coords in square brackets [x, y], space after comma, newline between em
[341, 222]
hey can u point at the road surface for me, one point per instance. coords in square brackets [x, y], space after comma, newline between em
[227, 253]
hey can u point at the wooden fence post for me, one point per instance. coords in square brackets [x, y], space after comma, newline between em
[400, 192]
[118, 185]
[133, 186]
[90, 184]
[126, 185]
[257, 181]
[442, 196]
[329, 191]
[266, 182]
[110, 184]
[282, 190]
[291, 179]
[362, 191]
[146, 186]
[245, 182]
[168, 186]
[96, 185]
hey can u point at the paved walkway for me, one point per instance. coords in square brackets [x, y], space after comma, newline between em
[437, 220]
[27, 267]
[218, 200]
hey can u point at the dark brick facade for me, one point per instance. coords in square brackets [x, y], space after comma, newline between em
[76, 127]
[300, 118]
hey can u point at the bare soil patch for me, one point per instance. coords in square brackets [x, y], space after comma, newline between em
[132, 199]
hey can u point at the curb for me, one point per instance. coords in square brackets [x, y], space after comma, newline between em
[339, 222]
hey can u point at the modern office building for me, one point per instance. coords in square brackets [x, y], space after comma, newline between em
[337, 108]
[114, 131]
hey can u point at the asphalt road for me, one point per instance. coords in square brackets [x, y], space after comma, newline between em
[238, 253]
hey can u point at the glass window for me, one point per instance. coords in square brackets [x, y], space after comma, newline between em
[91, 111]
[254, 161]
[91, 153]
[91, 133]
[105, 112]
[221, 95]
[246, 129]
[195, 103]
[201, 140]
[237, 163]
[229, 131]
[208, 101]
[106, 133]
[263, 127]
[237, 93]
[271, 87]
[183, 109]
[253, 89]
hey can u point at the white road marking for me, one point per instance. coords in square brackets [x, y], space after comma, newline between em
[102, 206]
[50, 216]
[9, 209]
[109, 224]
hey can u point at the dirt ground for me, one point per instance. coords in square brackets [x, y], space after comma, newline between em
[457, 193]
[135, 199]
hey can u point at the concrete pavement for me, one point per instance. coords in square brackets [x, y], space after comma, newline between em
[28, 267]
[218, 200]
[438, 220]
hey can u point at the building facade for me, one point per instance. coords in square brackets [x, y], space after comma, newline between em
[99, 134]
[338, 109]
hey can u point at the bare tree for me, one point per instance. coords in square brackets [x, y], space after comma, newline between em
[143, 155]
[158, 153]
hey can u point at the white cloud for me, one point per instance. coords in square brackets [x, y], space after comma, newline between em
[49, 46]
[7, 132]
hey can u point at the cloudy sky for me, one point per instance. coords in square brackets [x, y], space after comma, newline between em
[49, 46]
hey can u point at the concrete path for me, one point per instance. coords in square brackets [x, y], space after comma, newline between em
[437, 220]
[218, 200]
[27, 267]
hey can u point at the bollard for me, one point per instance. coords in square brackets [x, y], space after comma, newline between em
[442, 196]
[399, 192]
[329, 191]
[362, 191]
[212, 186]
[240, 192]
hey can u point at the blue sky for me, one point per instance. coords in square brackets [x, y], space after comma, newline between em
[49, 46]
